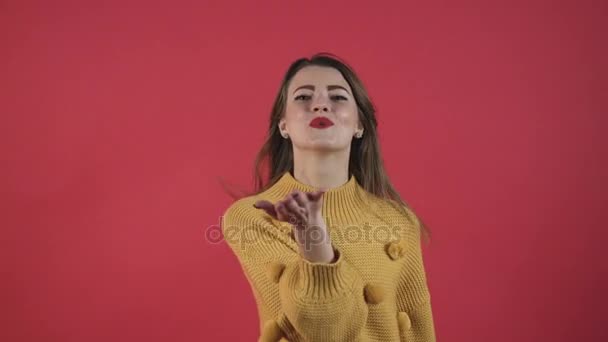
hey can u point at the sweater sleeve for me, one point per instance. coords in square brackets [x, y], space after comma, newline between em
[415, 316]
[318, 301]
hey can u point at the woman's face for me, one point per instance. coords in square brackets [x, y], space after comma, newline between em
[314, 92]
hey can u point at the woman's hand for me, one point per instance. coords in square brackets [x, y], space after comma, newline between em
[303, 211]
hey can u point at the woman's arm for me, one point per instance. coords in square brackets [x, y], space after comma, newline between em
[319, 301]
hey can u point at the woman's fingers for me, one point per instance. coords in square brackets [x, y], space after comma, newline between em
[293, 209]
[284, 214]
[300, 199]
[297, 215]
[292, 205]
[279, 211]
[298, 205]
[314, 196]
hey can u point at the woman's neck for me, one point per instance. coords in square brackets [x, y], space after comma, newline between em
[321, 170]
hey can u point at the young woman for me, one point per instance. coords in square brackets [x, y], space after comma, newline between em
[331, 251]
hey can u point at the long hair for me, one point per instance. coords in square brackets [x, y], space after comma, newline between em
[365, 162]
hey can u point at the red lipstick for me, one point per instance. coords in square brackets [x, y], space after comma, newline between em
[321, 122]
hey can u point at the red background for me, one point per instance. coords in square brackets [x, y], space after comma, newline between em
[118, 117]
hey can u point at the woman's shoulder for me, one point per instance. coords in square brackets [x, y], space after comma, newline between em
[241, 207]
[245, 203]
[243, 211]
[242, 222]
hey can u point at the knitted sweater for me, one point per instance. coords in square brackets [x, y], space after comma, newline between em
[376, 290]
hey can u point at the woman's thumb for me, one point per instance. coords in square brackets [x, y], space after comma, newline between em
[267, 206]
[317, 194]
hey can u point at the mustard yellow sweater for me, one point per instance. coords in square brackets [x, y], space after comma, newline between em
[375, 291]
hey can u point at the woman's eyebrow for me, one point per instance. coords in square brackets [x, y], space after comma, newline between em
[329, 87]
[332, 87]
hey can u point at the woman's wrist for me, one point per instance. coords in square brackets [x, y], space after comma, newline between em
[315, 243]
[321, 254]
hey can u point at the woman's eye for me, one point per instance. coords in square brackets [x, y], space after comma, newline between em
[302, 97]
[339, 98]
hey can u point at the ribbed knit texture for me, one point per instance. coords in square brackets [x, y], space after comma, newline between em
[376, 290]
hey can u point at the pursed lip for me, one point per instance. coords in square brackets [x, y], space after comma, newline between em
[321, 122]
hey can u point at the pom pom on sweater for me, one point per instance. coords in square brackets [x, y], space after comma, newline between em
[374, 294]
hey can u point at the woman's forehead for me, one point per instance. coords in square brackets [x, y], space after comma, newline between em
[317, 76]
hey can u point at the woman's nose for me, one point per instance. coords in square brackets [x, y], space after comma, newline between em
[320, 108]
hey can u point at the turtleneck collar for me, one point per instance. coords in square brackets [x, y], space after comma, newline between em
[347, 199]
[348, 188]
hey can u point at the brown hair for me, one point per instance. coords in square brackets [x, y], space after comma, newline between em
[365, 161]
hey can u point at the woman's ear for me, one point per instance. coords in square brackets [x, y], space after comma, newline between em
[283, 127]
[359, 131]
